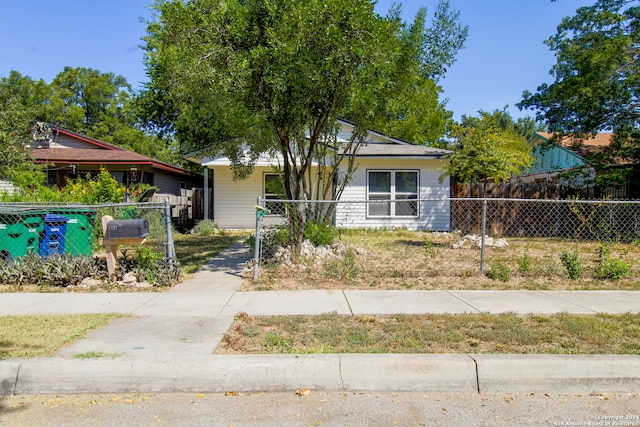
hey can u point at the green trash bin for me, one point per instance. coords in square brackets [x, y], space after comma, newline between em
[79, 232]
[19, 233]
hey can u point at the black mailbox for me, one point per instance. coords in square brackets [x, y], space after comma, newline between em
[127, 229]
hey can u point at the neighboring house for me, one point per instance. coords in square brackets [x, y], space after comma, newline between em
[67, 154]
[6, 186]
[556, 160]
[386, 169]
[553, 158]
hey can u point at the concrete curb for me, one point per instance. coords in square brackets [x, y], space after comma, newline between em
[333, 372]
[562, 373]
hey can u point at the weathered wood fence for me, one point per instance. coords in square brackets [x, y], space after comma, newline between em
[188, 207]
[503, 217]
[542, 190]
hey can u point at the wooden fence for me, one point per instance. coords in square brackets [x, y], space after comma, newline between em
[504, 218]
[188, 207]
[542, 190]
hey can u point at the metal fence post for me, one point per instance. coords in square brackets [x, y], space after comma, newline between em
[484, 230]
[256, 246]
[171, 251]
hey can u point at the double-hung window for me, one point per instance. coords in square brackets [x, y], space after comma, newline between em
[399, 188]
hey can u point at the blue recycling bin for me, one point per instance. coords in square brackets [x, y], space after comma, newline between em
[54, 230]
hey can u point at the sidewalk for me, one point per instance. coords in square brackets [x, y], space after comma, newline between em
[168, 343]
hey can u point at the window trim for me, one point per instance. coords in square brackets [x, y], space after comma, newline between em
[393, 194]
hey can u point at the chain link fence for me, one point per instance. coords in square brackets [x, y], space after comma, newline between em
[447, 239]
[46, 229]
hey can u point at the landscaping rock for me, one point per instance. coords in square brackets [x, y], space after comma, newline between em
[143, 285]
[89, 282]
[129, 278]
[472, 240]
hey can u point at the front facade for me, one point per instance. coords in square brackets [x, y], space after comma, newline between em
[394, 175]
[400, 193]
[66, 154]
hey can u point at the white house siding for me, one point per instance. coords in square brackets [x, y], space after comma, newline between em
[234, 201]
[6, 186]
[432, 215]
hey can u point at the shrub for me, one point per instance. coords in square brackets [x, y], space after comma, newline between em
[524, 262]
[320, 233]
[54, 270]
[205, 227]
[345, 267]
[147, 263]
[500, 271]
[610, 268]
[63, 270]
[571, 262]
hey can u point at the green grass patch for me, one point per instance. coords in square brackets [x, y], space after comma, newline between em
[42, 335]
[456, 333]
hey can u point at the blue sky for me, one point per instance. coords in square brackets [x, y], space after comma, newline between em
[504, 53]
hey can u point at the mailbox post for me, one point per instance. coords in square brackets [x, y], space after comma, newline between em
[121, 232]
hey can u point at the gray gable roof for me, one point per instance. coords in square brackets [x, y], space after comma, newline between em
[376, 149]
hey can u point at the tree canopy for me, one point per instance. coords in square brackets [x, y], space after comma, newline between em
[15, 164]
[275, 76]
[100, 105]
[224, 73]
[491, 146]
[596, 84]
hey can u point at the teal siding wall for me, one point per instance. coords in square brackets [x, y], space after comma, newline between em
[552, 157]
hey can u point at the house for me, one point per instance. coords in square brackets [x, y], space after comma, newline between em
[551, 158]
[66, 154]
[566, 161]
[386, 169]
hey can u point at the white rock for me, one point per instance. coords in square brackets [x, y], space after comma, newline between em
[89, 282]
[143, 285]
[129, 278]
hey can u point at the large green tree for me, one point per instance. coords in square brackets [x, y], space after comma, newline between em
[596, 77]
[15, 117]
[83, 100]
[492, 146]
[276, 75]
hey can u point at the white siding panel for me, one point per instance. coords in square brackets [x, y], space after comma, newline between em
[6, 186]
[432, 215]
[234, 201]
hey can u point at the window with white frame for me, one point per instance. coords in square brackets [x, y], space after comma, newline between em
[399, 188]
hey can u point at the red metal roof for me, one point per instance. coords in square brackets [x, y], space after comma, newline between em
[103, 154]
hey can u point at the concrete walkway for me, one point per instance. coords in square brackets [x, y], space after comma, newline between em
[168, 343]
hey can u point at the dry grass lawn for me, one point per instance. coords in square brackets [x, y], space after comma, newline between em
[459, 333]
[403, 259]
[43, 335]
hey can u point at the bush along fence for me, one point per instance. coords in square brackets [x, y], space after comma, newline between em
[61, 244]
[486, 235]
